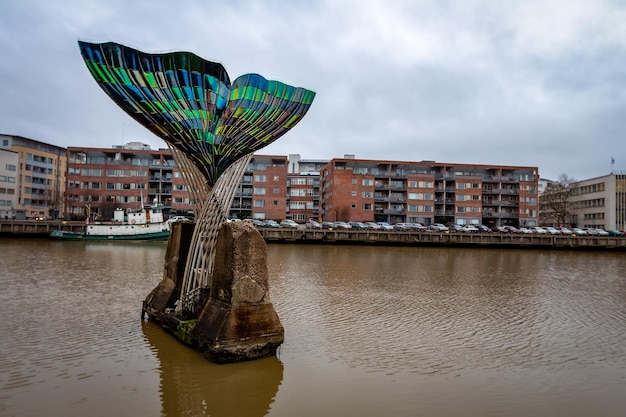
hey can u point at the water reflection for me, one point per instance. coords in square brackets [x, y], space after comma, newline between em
[192, 386]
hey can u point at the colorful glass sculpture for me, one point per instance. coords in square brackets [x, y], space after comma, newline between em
[191, 104]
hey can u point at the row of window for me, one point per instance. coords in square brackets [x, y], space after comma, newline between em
[593, 216]
[39, 158]
[596, 202]
[9, 191]
[38, 170]
[6, 178]
[586, 189]
[11, 167]
[414, 171]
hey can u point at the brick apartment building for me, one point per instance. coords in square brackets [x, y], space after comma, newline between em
[428, 192]
[99, 180]
[96, 181]
[303, 188]
[263, 189]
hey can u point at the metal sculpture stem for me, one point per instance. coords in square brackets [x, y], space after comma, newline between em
[199, 267]
[194, 180]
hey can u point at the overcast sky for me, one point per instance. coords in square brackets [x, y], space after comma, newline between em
[534, 83]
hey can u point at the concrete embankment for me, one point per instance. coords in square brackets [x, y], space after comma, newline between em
[443, 239]
[31, 228]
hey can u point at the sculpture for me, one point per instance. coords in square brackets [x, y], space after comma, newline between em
[212, 126]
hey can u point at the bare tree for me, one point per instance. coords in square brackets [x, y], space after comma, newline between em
[554, 201]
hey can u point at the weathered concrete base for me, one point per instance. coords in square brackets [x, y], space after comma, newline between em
[162, 298]
[238, 322]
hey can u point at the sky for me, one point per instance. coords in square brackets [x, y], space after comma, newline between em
[496, 82]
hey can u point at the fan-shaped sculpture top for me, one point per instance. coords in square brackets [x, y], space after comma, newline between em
[191, 104]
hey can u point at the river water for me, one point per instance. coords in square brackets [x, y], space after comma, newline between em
[369, 331]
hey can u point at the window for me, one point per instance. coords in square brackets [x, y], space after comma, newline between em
[259, 191]
[11, 167]
[259, 203]
[276, 178]
[353, 180]
[367, 183]
[259, 178]
[366, 206]
[353, 193]
[367, 194]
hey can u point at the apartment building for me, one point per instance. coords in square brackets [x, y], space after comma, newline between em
[32, 186]
[263, 189]
[303, 188]
[599, 202]
[428, 192]
[9, 161]
[100, 180]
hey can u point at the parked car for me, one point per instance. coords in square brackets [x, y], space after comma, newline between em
[566, 231]
[358, 225]
[455, 228]
[328, 225]
[483, 229]
[601, 232]
[373, 226]
[313, 225]
[402, 227]
[418, 227]
[342, 225]
[615, 232]
[591, 231]
[512, 229]
[270, 223]
[178, 219]
[579, 232]
[525, 230]
[438, 227]
[552, 230]
[538, 230]
[288, 223]
[257, 222]
[499, 229]
[470, 228]
[385, 226]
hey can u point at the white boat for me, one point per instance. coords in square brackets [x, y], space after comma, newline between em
[143, 224]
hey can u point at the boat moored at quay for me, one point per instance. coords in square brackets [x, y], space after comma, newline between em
[142, 224]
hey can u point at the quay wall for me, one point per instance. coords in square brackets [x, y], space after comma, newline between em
[414, 238]
[31, 228]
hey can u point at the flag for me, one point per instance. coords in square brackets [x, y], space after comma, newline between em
[612, 160]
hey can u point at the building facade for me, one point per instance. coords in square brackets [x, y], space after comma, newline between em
[100, 180]
[428, 192]
[263, 189]
[38, 177]
[9, 161]
[303, 188]
[599, 202]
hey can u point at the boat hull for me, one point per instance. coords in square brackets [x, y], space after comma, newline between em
[60, 234]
